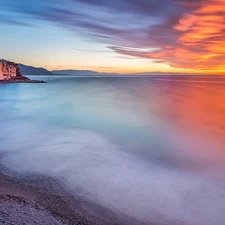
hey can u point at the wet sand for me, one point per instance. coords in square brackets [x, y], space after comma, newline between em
[41, 200]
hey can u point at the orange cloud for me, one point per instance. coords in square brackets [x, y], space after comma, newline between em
[203, 36]
[194, 39]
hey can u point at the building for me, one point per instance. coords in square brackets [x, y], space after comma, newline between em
[8, 70]
[1, 73]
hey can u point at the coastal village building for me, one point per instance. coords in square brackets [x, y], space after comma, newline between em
[8, 70]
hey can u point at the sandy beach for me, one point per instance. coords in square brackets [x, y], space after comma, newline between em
[41, 200]
[32, 203]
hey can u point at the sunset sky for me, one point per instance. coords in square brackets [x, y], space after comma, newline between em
[115, 35]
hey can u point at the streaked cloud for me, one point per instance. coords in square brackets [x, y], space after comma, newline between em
[180, 33]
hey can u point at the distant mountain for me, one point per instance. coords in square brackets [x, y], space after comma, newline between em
[75, 72]
[79, 73]
[94, 73]
[30, 70]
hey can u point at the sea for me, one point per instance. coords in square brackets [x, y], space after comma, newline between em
[149, 147]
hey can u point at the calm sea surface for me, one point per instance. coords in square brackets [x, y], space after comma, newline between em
[150, 147]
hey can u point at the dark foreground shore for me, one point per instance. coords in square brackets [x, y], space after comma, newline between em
[41, 200]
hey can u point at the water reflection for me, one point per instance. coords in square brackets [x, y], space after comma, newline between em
[120, 141]
[195, 113]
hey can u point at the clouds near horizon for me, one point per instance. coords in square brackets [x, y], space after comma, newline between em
[181, 33]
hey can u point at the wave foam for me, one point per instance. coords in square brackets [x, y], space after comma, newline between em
[94, 167]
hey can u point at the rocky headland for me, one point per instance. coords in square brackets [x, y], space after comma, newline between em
[10, 73]
[21, 79]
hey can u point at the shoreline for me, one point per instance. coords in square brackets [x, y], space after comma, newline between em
[21, 81]
[45, 196]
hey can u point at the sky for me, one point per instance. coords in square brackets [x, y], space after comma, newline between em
[125, 36]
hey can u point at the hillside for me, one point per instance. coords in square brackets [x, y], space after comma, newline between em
[30, 70]
[75, 72]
